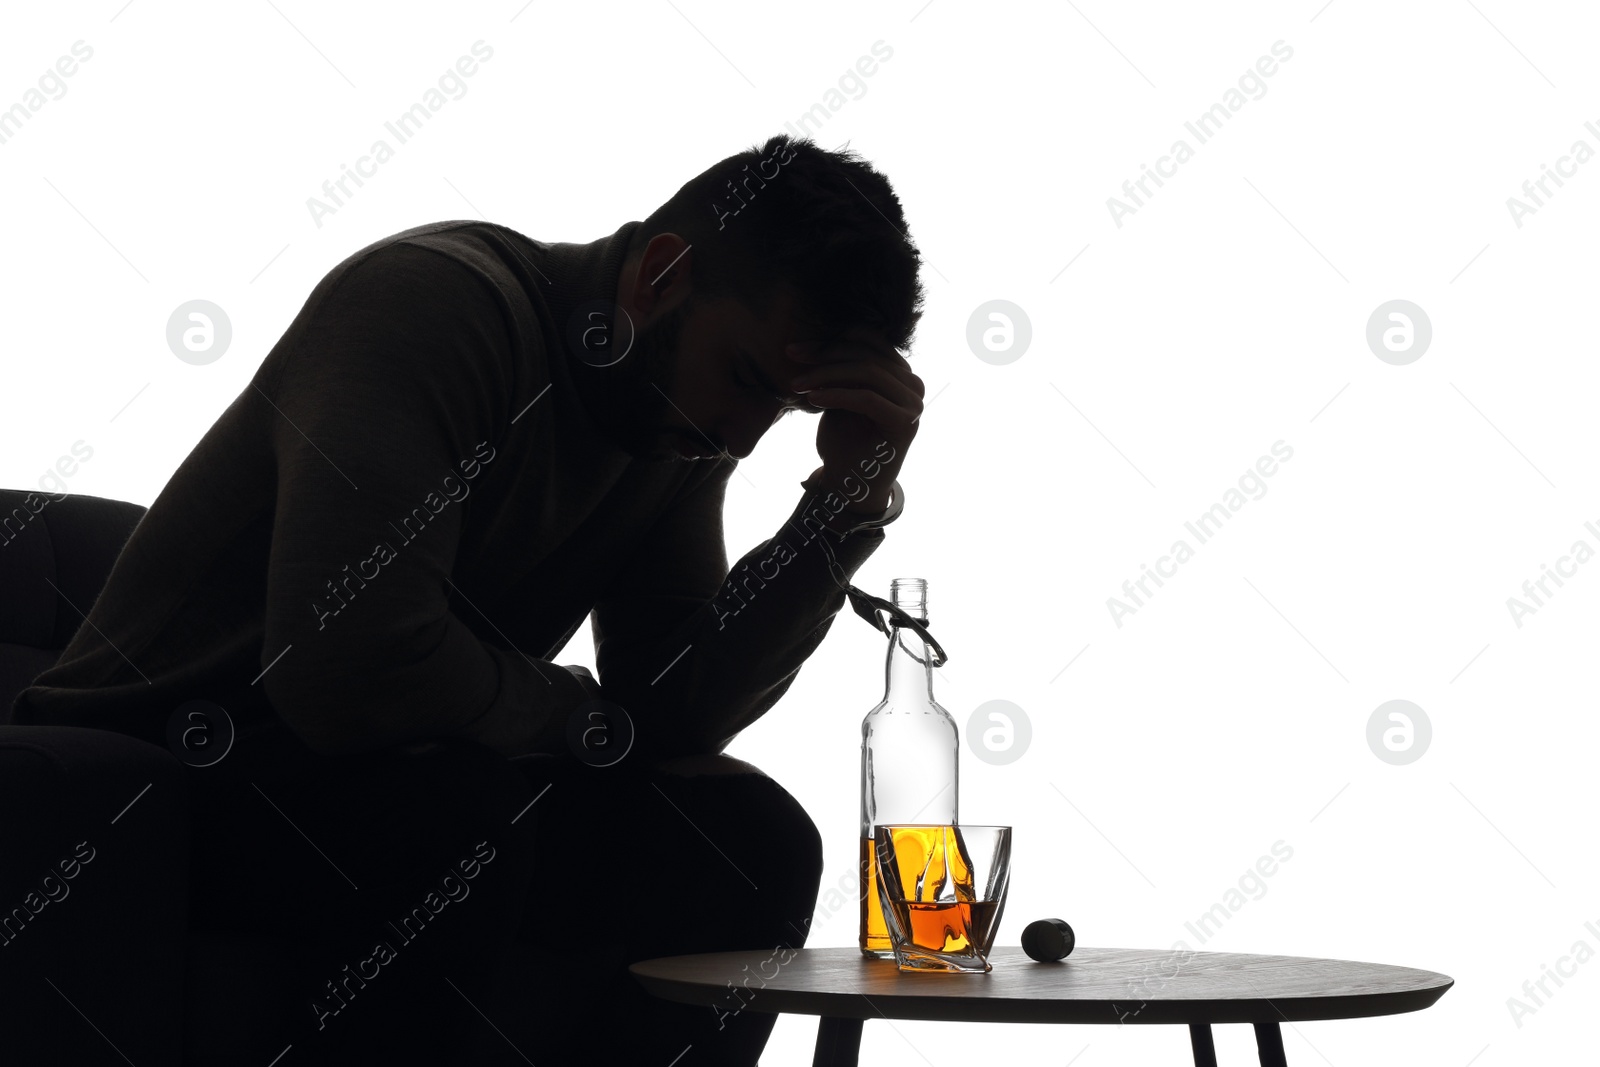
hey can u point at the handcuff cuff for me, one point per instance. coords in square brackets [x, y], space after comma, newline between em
[873, 608]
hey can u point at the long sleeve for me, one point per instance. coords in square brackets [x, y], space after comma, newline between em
[390, 406]
[695, 651]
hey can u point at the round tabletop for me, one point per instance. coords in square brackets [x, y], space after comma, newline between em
[1093, 985]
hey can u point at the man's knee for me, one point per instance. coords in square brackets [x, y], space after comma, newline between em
[800, 831]
[764, 816]
[717, 763]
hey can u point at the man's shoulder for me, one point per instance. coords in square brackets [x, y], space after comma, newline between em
[428, 298]
[470, 241]
[460, 266]
[487, 249]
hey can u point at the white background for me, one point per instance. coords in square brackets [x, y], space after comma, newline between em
[1228, 313]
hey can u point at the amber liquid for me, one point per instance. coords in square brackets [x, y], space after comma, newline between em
[874, 940]
[945, 926]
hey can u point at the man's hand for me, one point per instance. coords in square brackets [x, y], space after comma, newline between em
[873, 403]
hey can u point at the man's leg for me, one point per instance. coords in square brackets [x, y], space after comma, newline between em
[645, 864]
[396, 878]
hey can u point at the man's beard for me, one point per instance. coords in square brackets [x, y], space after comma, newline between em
[641, 412]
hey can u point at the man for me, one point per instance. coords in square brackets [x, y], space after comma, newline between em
[466, 443]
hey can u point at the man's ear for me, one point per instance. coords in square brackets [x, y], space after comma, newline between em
[664, 275]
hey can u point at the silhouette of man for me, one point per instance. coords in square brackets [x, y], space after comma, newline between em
[432, 843]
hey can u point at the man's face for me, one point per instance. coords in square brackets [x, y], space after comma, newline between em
[709, 376]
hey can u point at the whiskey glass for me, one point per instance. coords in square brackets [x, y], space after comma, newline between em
[943, 889]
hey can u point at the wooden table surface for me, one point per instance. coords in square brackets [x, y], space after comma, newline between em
[1093, 985]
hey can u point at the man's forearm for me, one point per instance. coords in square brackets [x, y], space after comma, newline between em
[737, 656]
[851, 516]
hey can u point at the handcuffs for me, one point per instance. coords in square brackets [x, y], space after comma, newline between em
[872, 608]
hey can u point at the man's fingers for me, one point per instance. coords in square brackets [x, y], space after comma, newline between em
[892, 360]
[906, 390]
[869, 402]
[896, 365]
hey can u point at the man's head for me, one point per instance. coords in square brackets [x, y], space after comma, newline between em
[784, 242]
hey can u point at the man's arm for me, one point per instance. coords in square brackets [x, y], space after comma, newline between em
[698, 652]
[385, 412]
[694, 651]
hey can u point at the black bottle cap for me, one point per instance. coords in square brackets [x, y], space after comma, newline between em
[1048, 940]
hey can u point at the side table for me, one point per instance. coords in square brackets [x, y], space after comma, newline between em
[1093, 985]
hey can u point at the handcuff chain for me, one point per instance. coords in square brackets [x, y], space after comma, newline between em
[868, 606]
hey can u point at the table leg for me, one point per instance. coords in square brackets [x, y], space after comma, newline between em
[838, 1042]
[1269, 1043]
[1205, 1049]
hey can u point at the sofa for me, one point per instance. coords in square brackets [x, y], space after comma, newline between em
[96, 968]
[82, 958]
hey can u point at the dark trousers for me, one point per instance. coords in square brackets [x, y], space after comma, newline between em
[444, 905]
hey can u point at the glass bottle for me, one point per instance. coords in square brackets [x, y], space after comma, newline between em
[909, 751]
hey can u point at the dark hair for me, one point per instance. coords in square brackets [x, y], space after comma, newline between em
[791, 212]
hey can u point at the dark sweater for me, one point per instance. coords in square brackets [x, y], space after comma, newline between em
[414, 504]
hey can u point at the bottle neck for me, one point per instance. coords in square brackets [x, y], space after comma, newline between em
[905, 679]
